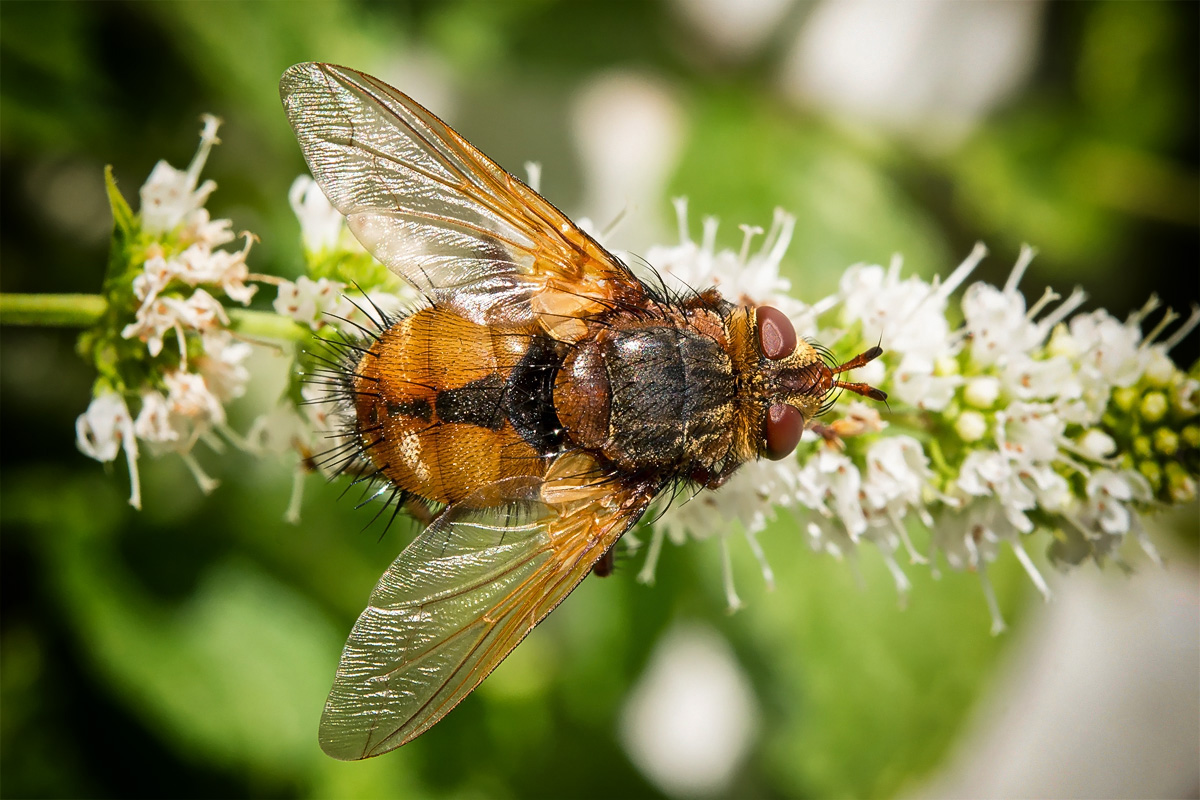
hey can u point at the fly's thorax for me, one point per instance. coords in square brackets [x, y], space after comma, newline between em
[655, 396]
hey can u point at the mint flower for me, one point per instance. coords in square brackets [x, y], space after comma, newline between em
[104, 430]
[1016, 420]
[165, 357]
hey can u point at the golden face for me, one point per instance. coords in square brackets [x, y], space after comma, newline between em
[533, 410]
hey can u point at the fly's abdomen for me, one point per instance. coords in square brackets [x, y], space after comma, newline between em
[445, 407]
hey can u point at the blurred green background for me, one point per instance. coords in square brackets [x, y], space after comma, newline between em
[186, 650]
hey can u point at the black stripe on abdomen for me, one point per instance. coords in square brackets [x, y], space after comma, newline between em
[478, 403]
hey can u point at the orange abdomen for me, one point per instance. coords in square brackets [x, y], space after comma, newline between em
[446, 407]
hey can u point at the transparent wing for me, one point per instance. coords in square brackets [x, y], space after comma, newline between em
[459, 599]
[437, 211]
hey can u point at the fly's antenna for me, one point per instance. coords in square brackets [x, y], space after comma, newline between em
[863, 389]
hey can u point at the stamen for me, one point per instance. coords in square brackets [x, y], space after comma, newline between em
[1018, 270]
[615, 223]
[902, 531]
[708, 239]
[292, 514]
[1077, 298]
[681, 207]
[646, 574]
[183, 362]
[129, 445]
[1136, 317]
[756, 548]
[989, 594]
[1187, 327]
[213, 442]
[205, 483]
[1144, 540]
[783, 226]
[748, 234]
[1031, 570]
[208, 137]
[533, 175]
[731, 596]
[903, 584]
[1048, 297]
[961, 272]
[1168, 317]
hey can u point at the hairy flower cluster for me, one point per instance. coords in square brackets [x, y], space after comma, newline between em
[166, 359]
[1014, 420]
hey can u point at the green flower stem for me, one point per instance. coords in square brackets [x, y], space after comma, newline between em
[266, 325]
[85, 310]
[52, 310]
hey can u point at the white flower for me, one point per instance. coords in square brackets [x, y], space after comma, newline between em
[982, 391]
[1108, 493]
[971, 426]
[1025, 378]
[170, 195]
[915, 383]
[325, 413]
[154, 319]
[153, 422]
[223, 269]
[1097, 444]
[908, 315]
[278, 430]
[104, 430]
[190, 398]
[200, 312]
[100, 430]
[840, 485]
[997, 324]
[223, 365]
[200, 228]
[744, 277]
[156, 274]
[897, 473]
[313, 303]
[1186, 396]
[1030, 433]
[321, 225]
[1110, 349]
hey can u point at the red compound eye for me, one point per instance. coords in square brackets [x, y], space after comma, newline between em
[784, 426]
[776, 336]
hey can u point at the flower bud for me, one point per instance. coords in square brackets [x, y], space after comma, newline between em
[1152, 472]
[1191, 435]
[1125, 398]
[1166, 441]
[1154, 406]
[1180, 485]
[1097, 444]
[946, 365]
[982, 392]
[1062, 343]
[1143, 447]
[971, 426]
[1159, 369]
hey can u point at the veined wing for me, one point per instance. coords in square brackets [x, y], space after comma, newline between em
[458, 599]
[440, 213]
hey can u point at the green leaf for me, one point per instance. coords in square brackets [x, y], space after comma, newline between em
[124, 220]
